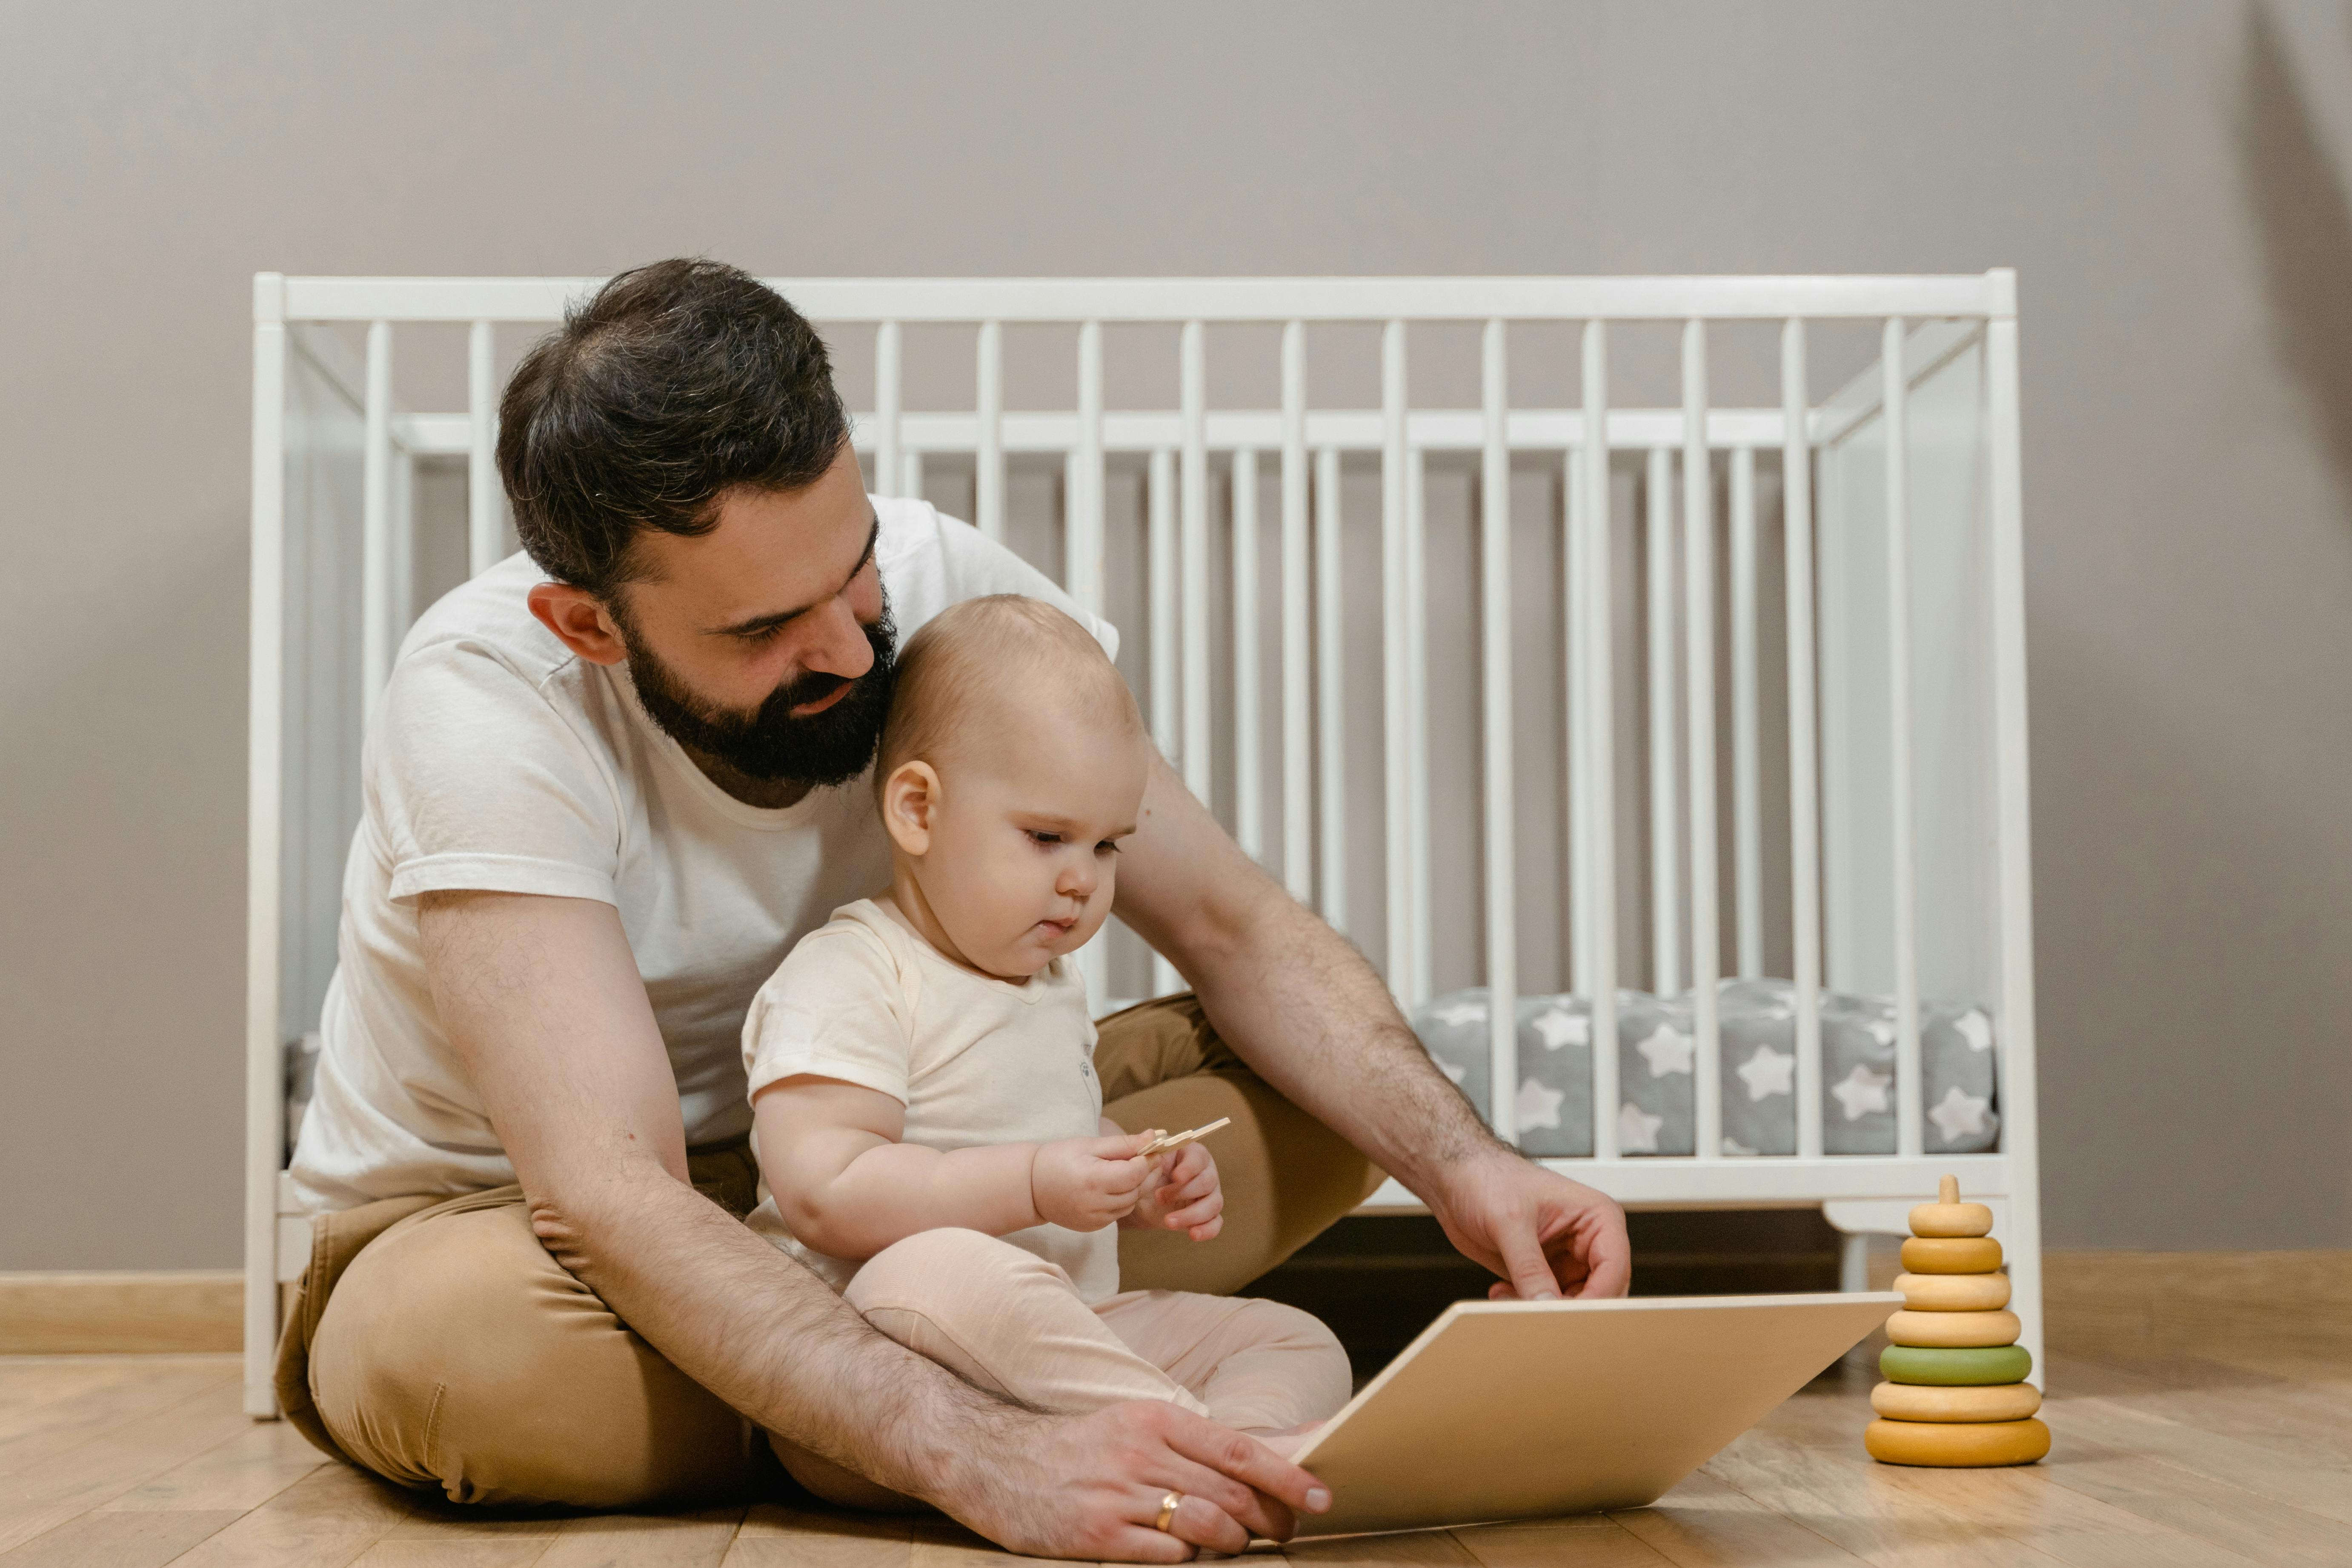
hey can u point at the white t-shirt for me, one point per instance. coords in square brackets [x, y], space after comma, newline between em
[498, 760]
[975, 1060]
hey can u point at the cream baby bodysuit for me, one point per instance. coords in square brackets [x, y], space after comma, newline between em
[975, 1060]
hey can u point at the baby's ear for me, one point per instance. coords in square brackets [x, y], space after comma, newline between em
[910, 795]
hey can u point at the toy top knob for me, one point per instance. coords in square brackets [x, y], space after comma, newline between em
[1950, 1216]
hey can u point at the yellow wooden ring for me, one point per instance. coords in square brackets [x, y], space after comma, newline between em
[1956, 1444]
[1953, 1330]
[1954, 1292]
[1952, 1219]
[1916, 1401]
[1950, 1255]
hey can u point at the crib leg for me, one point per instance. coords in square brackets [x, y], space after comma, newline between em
[1854, 1261]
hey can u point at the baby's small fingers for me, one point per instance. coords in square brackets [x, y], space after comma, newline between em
[1207, 1232]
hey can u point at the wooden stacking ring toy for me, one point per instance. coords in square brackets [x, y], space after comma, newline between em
[1915, 1402]
[1954, 1329]
[1954, 1292]
[1951, 1217]
[1951, 1368]
[1955, 1444]
[1950, 1255]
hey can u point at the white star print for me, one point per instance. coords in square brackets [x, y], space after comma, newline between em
[1767, 1072]
[1862, 1090]
[1975, 1028]
[1459, 1012]
[1881, 1031]
[1734, 1146]
[1560, 1027]
[1957, 1113]
[1454, 1075]
[1539, 1105]
[1667, 1052]
[1637, 1129]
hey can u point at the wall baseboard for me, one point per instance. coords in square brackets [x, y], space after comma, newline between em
[202, 1310]
[127, 1311]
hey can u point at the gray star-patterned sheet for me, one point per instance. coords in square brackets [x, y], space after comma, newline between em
[1656, 1049]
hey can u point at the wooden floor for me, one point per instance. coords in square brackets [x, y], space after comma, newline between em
[2200, 1418]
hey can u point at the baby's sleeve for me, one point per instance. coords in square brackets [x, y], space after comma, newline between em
[836, 1007]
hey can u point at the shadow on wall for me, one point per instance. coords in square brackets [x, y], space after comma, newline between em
[2304, 224]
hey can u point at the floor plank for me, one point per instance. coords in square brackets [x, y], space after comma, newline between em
[2195, 1505]
[242, 1473]
[1416, 1549]
[1593, 1542]
[35, 1436]
[1704, 1523]
[697, 1539]
[774, 1534]
[323, 1521]
[144, 1540]
[43, 1496]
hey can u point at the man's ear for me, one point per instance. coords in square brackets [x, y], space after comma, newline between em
[910, 795]
[579, 621]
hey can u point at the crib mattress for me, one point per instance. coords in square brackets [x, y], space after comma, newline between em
[1656, 1055]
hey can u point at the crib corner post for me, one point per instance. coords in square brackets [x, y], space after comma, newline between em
[264, 1100]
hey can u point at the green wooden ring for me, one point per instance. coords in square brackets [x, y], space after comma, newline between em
[1954, 1368]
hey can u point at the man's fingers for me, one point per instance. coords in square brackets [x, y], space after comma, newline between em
[1523, 1257]
[1608, 1265]
[1277, 1487]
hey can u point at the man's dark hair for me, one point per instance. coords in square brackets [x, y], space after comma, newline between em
[676, 383]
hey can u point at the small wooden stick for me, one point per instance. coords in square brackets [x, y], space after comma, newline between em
[1178, 1140]
[1948, 1191]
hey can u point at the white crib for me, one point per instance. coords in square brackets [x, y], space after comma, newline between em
[1900, 651]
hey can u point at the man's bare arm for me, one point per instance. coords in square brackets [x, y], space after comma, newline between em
[542, 1000]
[1304, 1008]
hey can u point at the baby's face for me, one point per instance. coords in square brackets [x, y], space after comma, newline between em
[1022, 858]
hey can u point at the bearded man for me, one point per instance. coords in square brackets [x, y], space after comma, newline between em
[610, 783]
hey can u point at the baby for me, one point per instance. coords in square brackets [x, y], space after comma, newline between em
[926, 1112]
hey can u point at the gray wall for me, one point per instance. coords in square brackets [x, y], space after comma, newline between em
[2157, 174]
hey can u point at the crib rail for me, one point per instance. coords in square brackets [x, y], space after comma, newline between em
[1198, 460]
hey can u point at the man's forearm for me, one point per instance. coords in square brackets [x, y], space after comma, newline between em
[1305, 1009]
[762, 1333]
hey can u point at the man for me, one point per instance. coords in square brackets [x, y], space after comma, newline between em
[607, 787]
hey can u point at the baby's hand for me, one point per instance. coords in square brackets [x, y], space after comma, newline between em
[1181, 1194]
[1085, 1184]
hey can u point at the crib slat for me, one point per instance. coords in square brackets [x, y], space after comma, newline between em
[1502, 852]
[1160, 591]
[485, 536]
[1600, 690]
[1249, 806]
[1747, 768]
[910, 475]
[1909, 1091]
[377, 637]
[1297, 785]
[1666, 810]
[1804, 787]
[887, 396]
[1330, 650]
[1396, 723]
[1084, 554]
[1194, 490]
[1574, 526]
[1698, 618]
[988, 459]
[1416, 626]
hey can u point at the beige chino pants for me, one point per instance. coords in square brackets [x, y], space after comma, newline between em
[436, 1344]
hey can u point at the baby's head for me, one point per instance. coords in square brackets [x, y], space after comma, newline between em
[1012, 763]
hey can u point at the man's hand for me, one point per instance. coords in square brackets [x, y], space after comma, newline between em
[1090, 1487]
[1182, 1194]
[1085, 1184]
[1545, 1234]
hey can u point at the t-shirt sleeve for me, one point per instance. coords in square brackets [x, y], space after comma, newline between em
[836, 1007]
[977, 565]
[479, 782]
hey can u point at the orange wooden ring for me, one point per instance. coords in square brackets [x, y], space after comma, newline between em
[1950, 1255]
[1954, 1292]
[1953, 1330]
[1956, 1444]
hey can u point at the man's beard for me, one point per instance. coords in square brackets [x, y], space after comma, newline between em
[828, 747]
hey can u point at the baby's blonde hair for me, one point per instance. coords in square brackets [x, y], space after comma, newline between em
[975, 659]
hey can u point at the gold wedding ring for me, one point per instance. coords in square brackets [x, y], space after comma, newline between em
[1168, 1506]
